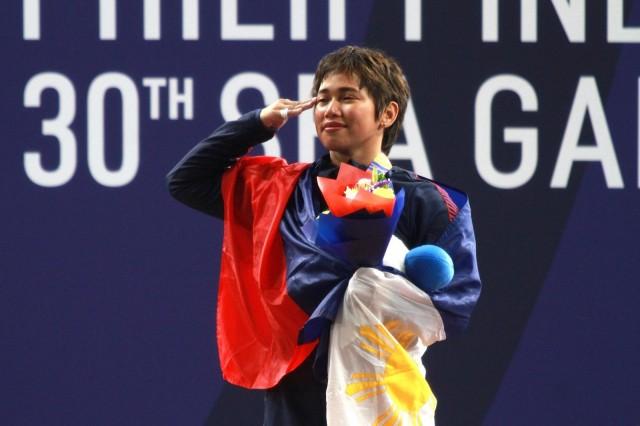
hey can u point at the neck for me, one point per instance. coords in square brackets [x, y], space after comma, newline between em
[363, 158]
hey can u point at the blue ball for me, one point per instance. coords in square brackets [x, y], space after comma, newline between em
[429, 267]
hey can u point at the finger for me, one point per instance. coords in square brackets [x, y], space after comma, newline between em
[284, 114]
[308, 103]
[302, 106]
[288, 103]
[295, 104]
[285, 104]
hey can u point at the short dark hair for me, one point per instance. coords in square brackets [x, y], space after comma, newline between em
[379, 73]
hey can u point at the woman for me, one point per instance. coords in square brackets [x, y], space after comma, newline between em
[272, 275]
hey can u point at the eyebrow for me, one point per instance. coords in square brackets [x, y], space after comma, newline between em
[344, 89]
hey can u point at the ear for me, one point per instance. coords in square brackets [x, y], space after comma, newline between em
[389, 114]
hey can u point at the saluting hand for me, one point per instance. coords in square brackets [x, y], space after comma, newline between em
[276, 115]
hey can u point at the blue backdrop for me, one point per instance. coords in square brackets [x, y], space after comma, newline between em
[108, 286]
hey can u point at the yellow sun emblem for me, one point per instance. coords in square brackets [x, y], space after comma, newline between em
[401, 381]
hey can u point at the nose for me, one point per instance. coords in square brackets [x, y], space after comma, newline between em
[333, 108]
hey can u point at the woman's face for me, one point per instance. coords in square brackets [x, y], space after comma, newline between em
[346, 121]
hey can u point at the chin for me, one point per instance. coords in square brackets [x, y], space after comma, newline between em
[334, 144]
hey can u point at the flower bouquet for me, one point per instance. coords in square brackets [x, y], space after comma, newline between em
[363, 213]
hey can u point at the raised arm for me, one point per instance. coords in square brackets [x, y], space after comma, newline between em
[195, 180]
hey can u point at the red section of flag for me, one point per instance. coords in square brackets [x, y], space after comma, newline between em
[257, 322]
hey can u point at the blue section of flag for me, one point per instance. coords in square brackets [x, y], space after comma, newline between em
[456, 300]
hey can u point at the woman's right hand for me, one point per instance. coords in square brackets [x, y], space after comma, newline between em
[276, 115]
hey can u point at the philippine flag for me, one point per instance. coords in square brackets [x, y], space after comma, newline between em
[261, 310]
[376, 376]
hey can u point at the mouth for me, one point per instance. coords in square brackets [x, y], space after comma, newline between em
[333, 126]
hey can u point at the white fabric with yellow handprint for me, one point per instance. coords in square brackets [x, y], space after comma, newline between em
[376, 376]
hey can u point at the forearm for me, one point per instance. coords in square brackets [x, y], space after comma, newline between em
[196, 179]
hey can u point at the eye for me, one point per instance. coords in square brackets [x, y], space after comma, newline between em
[322, 101]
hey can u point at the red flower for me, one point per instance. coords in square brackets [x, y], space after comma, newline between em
[339, 205]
